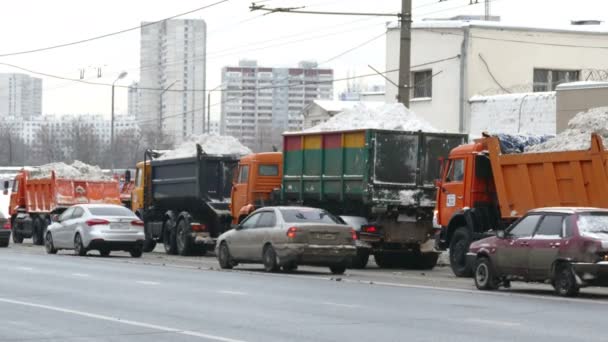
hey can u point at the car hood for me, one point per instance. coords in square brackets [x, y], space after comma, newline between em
[488, 242]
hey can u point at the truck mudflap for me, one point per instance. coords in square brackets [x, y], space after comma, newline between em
[202, 238]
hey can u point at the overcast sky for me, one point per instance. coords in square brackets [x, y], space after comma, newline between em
[234, 33]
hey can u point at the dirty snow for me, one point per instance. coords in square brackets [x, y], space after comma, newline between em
[77, 170]
[578, 134]
[408, 197]
[393, 116]
[211, 144]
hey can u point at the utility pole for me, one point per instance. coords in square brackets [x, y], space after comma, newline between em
[487, 10]
[405, 47]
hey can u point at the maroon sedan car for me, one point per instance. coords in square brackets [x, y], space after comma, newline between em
[566, 247]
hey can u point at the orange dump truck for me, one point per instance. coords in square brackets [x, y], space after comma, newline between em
[35, 199]
[483, 189]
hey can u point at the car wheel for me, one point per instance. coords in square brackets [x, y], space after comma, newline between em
[104, 252]
[136, 251]
[485, 275]
[149, 243]
[48, 244]
[37, 237]
[169, 240]
[270, 259]
[182, 238]
[4, 243]
[360, 260]
[337, 269]
[224, 257]
[78, 246]
[564, 281]
[459, 246]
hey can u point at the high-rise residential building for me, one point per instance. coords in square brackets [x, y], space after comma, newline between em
[20, 96]
[172, 77]
[260, 103]
[134, 100]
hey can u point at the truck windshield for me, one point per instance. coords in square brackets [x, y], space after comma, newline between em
[592, 223]
[308, 215]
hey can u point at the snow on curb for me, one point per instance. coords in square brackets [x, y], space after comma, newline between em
[211, 144]
[394, 116]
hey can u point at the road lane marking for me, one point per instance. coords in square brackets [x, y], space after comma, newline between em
[492, 322]
[146, 282]
[236, 293]
[122, 321]
[341, 305]
[22, 268]
[82, 275]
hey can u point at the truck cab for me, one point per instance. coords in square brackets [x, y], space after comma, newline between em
[137, 193]
[258, 175]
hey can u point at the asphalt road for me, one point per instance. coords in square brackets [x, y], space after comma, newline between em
[158, 298]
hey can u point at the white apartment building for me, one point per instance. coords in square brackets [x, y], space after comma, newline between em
[134, 100]
[454, 60]
[260, 103]
[20, 96]
[172, 77]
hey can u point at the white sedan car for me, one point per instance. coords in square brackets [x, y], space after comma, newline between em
[102, 227]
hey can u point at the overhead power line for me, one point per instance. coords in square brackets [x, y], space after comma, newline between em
[298, 10]
[109, 34]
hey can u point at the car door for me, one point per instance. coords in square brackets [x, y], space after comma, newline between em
[512, 252]
[74, 221]
[60, 233]
[545, 246]
[265, 227]
[451, 198]
[238, 241]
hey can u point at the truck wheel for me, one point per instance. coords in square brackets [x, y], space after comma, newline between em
[564, 281]
[360, 260]
[38, 231]
[169, 240]
[385, 260]
[104, 252]
[183, 240]
[136, 251]
[426, 261]
[337, 269]
[224, 257]
[48, 244]
[459, 246]
[270, 259]
[78, 246]
[485, 275]
[17, 237]
[149, 245]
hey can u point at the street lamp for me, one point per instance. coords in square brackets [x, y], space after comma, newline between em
[120, 76]
[209, 110]
[160, 112]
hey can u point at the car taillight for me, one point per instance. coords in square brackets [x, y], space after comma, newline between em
[7, 225]
[198, 227]
[370, 229]
[291, 232]
[95, 222]
[138, 223]
[353, 233]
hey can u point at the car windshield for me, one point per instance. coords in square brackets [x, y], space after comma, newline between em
[308, 215]
[591, 223]
[111, 211]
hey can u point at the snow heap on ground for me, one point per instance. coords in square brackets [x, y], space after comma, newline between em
[78, 170]
[578, 134]
[211, 144]
[394, 116]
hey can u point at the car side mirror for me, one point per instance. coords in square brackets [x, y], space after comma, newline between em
[501, 234]
[55, 218]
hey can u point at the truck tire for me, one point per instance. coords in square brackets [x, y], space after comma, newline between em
[38, 231]
[564, 281]
[17, 237]
[459, 246]
[182, 238]
[149, 243]
[360, 260]
[426, 261]
[169, 240]
[386, 260]
[337, 269]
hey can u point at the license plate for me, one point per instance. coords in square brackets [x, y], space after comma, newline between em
[120, 226]
[326, 236]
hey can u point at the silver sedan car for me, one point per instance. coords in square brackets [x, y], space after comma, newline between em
[102, 227]
[287, 237]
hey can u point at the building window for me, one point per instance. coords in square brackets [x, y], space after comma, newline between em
[423, 84]
[548, 80]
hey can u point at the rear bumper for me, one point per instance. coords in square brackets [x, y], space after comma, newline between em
[5, 234]
[315, 255]
[592, 273]
[115, 245]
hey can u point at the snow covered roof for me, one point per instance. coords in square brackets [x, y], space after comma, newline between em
[461, 24]
[338, 106]
[582, 85]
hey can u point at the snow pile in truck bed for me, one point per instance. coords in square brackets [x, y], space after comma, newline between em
[578, 134]
[211, 144]
[394, 116]
[77, 170]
